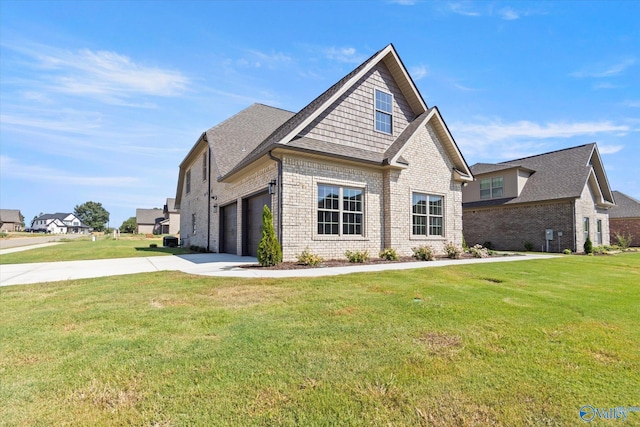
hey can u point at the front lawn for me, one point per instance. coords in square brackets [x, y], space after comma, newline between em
[103, 247]
[522, 343]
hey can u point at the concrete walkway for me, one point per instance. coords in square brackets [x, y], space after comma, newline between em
[221, 265]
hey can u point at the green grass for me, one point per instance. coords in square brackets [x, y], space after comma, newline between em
[84, 248]
[521, 343]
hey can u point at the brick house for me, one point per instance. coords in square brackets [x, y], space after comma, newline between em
[624, 218]
[11, 220]
[515, 202]
[364, 166]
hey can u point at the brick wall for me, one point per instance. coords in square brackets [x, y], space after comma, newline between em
[586, 207]
[626, 227]
[195, 202]
[508, 228]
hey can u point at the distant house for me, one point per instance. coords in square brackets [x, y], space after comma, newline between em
[624, 218]
[59, 223]
[11, 220]
[171, 223]
[514, 203]
[367, 165]
[148, 221]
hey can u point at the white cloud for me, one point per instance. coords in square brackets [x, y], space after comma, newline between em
[497, 139]
[509, 14]
[343, 54]
[609, 149]
[270, 60]
[463, 9]
[600, 70]
[631, 103]
[419, 72]
[108, 76]
[403, 2]
[12, 168]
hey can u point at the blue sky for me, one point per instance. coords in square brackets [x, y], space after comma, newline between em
[102, 100]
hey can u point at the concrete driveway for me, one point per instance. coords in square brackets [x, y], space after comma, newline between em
[221, 265]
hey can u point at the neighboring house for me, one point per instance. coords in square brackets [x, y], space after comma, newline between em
[59, 223]
[171, 223]
[148, 221]
[364, 166]
[624, 218]
[11, 220]
[513, 203]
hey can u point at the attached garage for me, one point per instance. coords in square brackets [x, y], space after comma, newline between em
[229, 228]
[252, 222]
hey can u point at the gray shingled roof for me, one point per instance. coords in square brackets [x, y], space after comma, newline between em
[148, 216]
[237, 137]
[10, 215]
[58, 215]
[170, 206]
[557, 175]
[331, 149]
[626, 206]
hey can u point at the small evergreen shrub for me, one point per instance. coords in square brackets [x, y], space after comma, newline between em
[357, 256]
[588, 246]
[567, 252]
[424, 253]
[464, 244]
[269, 251]
[153, 245]
[623, 241]
[528, 246]
[453, 251]
[479, 252]
[389, 254]
[308, 258]
[3, 234]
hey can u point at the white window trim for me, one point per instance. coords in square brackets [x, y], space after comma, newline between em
[340, 237]
[375, 110]
[424, 237]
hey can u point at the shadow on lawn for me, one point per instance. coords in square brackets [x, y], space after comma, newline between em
[166, 250]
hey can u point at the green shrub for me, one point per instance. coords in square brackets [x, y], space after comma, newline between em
[424, 253]
[269, 251]
[464, 244]
[588, 246]
[453, 251]
[3, 234]
[528, 246]
[357, 256]
[623, 241]
[308, 258]
[389, 254]
[153, 245]
[479, 252]
[567, 252]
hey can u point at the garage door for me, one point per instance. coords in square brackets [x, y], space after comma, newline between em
[229, 228]
[253, 222]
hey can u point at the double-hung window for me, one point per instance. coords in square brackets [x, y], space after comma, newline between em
[492, 188]
[599, 231]
[188, 183]
[384, 112]
[204, 167]
[427, 215]
[585, 227]
[340, 210]
[193, 223]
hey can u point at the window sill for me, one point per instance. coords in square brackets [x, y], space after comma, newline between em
[333, 238]
[428, 238]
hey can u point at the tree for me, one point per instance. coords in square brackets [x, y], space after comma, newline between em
[588, 246]
[129, 225]
[92, 214]
[269, 251]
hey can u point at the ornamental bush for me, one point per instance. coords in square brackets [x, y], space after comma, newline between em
[269, 251]
[389, 254]
[453, 251]
[479, 252]
[588, 246]
[424, 253]
[308, 258]
[357, 256]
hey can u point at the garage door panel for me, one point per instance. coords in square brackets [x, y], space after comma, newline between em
[229, 228]
[253, 222]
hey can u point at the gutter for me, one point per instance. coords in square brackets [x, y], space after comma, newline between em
[279, 162]
[204, 136]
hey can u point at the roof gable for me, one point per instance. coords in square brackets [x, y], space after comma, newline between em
[297, 123]
[10, 215]
[148, 216]
[558, 174]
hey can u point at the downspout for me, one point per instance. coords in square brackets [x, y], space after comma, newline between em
[280, 204]
[575, 222]
[208, 194]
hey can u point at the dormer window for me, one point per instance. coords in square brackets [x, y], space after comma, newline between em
[492, 188]
[384, 112]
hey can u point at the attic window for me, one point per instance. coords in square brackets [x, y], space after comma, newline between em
[384, 110]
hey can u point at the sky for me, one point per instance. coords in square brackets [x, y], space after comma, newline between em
[101, 100]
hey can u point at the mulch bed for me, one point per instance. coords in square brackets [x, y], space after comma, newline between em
[345, 263]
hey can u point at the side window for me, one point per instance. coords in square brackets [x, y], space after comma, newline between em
[340, 210]
[427, 215]
[188, 183]
[384, 111]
